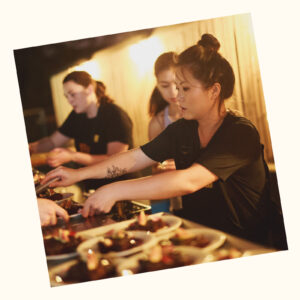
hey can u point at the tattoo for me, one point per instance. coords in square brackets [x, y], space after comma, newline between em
[115, 172]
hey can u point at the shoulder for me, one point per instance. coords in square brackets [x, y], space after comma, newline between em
[240, 133]
[240, 125]
[72, 117]
[111, 110]
[159, 119]
[72, 114]
[111, 107]
[155, 126]
[181, 130]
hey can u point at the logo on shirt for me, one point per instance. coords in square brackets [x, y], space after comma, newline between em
[96, 138]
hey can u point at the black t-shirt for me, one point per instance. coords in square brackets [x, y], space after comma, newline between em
[92, 135]
[111, 124]
[234, 203]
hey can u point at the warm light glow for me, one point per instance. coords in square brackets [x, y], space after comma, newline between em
[126, 272]
[145, 53]
[92, 67]
[58, 279]
[104, 262]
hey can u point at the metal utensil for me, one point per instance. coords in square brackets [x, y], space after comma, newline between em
[42, 187]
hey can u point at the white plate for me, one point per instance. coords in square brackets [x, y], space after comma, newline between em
[148, 241]
[172, 221]
[216, 238]
[129, 266]
[56, 273]
[62, 256]
[66, 255]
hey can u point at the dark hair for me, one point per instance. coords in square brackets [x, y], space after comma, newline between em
[85, 79]
[164, 62]
[157, 103]
[208, 65]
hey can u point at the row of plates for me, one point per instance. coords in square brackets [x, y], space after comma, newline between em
[129, 265]
[124, 263]
[93, 236]
[127, 262]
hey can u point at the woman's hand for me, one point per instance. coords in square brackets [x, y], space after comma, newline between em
[59, 156]
[48, 211]
[67, 177]
[100, 201]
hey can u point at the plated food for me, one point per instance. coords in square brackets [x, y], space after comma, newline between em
[155, 224]
[70, 206]
[117, 244]
[204, 238]
[171, 223]
[159, 258]
[47, 193]
[63, 245]
[118, 241]
[152, 224]
[75, 271]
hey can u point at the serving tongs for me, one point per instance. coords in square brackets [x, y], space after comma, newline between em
[42, 187]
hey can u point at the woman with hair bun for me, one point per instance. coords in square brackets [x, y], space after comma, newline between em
[164, 110]
[220, 168]
[99, 127]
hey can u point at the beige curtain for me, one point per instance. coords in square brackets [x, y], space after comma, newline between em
[131, 87]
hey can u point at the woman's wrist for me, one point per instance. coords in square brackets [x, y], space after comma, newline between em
[113, 189]
[82, 174]
[74, 156]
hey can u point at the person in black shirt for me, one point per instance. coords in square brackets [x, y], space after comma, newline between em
[220, 169]
[99, 127]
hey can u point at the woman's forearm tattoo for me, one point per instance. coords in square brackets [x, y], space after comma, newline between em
[114, 171]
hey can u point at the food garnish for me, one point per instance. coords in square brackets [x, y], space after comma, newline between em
[182, 234]
[156, 254]
[92, 260]
[142, 219]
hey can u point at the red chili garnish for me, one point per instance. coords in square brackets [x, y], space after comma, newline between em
[110, 232]
[72, 233]
[167, 260]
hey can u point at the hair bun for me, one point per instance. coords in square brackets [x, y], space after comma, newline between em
[101, 85]
[208, 41]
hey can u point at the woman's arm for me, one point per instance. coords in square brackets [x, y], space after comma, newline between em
[90, 159]
[160, 186]
[60, 156]
[116, 165]
[48, 143]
